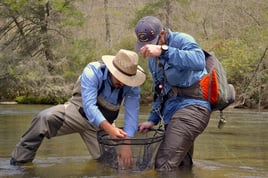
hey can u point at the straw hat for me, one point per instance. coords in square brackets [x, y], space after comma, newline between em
[124, 66]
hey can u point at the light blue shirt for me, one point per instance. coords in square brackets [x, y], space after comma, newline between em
[183, 64]
[91, 81]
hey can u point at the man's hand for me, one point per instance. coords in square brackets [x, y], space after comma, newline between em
[113, 131]
[151, 50]
[145, 126]
[125, 158]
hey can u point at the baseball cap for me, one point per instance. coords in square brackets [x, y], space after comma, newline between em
[147, 31]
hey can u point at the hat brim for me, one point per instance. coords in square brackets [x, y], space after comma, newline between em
[132, 81]
[140, 44]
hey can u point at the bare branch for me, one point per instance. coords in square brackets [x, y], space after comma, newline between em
[250, 15]
[256, 69]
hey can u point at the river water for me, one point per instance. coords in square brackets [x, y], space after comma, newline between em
[238, 150]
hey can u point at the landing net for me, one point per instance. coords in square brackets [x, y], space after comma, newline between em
[143, 146]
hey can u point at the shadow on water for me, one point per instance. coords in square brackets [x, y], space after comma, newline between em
[237, 150]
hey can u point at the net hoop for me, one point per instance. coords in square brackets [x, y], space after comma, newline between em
[158, 135]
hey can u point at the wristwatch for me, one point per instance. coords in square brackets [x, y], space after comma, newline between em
[164, 48]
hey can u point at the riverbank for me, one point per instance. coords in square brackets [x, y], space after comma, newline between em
[8, 102]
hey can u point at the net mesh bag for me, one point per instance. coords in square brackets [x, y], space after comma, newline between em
[143, 146]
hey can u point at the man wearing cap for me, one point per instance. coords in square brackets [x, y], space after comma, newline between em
[177, 64]
[94, 105]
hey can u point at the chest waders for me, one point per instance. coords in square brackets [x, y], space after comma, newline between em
[109, 111]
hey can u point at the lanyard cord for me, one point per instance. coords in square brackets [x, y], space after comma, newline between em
[161, 85]
[159, 90]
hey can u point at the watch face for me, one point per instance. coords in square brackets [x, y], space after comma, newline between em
[164, 47]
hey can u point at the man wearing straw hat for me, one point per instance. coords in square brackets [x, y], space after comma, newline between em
[94, 105]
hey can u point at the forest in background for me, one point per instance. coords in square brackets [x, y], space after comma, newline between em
[46, 44]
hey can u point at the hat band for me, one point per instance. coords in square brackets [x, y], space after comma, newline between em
[118, 68]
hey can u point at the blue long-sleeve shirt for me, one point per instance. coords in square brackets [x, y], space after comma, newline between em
[91, 81]
[183, 65]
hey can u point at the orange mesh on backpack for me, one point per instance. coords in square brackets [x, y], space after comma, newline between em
[210, 87]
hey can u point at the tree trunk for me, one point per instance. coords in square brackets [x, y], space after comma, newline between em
[168, 12]
[107, 25]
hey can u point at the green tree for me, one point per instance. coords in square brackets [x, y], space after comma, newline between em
[31, 35]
